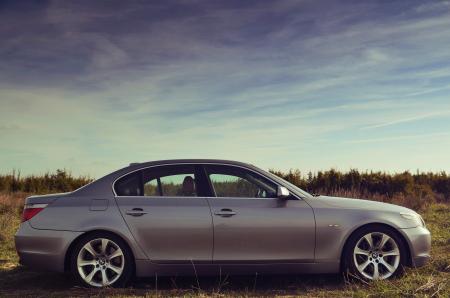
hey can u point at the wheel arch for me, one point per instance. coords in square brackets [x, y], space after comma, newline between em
[72, 245]
[376, 224]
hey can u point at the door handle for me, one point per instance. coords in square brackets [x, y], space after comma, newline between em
[225, 212]
[136, 212]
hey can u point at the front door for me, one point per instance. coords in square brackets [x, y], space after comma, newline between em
[167, 213]
[251, 225]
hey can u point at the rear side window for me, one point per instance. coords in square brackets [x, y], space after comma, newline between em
[129, 185]
[171, 181]
[181, 180]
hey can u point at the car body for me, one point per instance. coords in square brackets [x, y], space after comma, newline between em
[199, 216]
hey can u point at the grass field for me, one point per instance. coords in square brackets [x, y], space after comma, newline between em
[429, 281]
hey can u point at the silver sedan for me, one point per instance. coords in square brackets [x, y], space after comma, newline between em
[213, 216]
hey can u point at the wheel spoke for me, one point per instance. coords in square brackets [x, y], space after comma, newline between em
[368, 238]
[105, 279]
[83, 263]
[89, 277]
[363, 266]
[360, 251]
[115, 254]
[104, 245]
[394, 252]
[88, 247]
[116, 269]
[376, 273]
[383, 241]
[390, 268]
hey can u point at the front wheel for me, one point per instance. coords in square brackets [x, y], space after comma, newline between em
[101, 260]
[375, 253]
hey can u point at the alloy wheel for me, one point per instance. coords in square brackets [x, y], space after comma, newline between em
[376, 256]
[100, 262]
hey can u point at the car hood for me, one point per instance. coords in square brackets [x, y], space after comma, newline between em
[347, 203]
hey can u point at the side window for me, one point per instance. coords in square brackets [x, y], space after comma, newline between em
[170, 181]
[151, 188]
[129, 185]
[229, 181]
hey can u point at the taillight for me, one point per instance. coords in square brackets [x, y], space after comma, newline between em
[30, 210]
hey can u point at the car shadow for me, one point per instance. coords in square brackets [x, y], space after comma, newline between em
[244, 283]
[23, 278]
[21, 281]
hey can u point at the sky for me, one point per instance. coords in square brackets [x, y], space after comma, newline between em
[90, 86]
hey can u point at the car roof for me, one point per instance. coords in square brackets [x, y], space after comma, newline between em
[137, 165]
[104, 184]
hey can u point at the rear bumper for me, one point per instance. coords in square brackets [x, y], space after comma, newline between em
[419, 241]
[43, 249]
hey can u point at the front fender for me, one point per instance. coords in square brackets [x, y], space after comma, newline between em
[334, 227]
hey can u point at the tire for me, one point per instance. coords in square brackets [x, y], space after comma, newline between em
[374, 253]
[101, 259]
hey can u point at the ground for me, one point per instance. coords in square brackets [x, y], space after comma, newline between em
[429, 281]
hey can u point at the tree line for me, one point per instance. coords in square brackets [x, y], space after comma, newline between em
[420, 186]
[59, 181]
[406, 188]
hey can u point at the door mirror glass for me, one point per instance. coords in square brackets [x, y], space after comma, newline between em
[282, 192]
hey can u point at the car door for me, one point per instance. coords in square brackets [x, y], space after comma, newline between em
[252, 225]
[167, 213]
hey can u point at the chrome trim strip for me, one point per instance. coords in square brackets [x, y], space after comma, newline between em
[188, 197]
[201, 163]
[37, 205]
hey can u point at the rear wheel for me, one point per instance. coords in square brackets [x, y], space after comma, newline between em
[375, 253]
[101, 260]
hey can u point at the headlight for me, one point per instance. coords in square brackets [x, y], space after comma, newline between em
[414, 217]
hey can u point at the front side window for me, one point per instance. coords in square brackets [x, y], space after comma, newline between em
[229, 181]
[170, 181]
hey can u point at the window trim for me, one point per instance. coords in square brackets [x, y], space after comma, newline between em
[208, 180]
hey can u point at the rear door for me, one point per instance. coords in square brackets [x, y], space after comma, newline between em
[251, 225]
[167, 213]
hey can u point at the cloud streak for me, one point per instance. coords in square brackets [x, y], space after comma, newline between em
[410, 119]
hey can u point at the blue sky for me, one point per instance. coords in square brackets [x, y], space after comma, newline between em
[91, 86]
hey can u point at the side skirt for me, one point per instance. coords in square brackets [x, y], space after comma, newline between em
[147, 268]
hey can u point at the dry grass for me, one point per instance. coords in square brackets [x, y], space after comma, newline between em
[429, 281]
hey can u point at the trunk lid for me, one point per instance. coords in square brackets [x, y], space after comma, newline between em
[43, 199]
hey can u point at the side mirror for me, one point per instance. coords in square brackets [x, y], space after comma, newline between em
[282, 192]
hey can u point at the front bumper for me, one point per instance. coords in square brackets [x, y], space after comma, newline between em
[43, 249]
[419, 241]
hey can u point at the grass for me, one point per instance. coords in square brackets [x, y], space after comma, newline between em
[431, 280]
